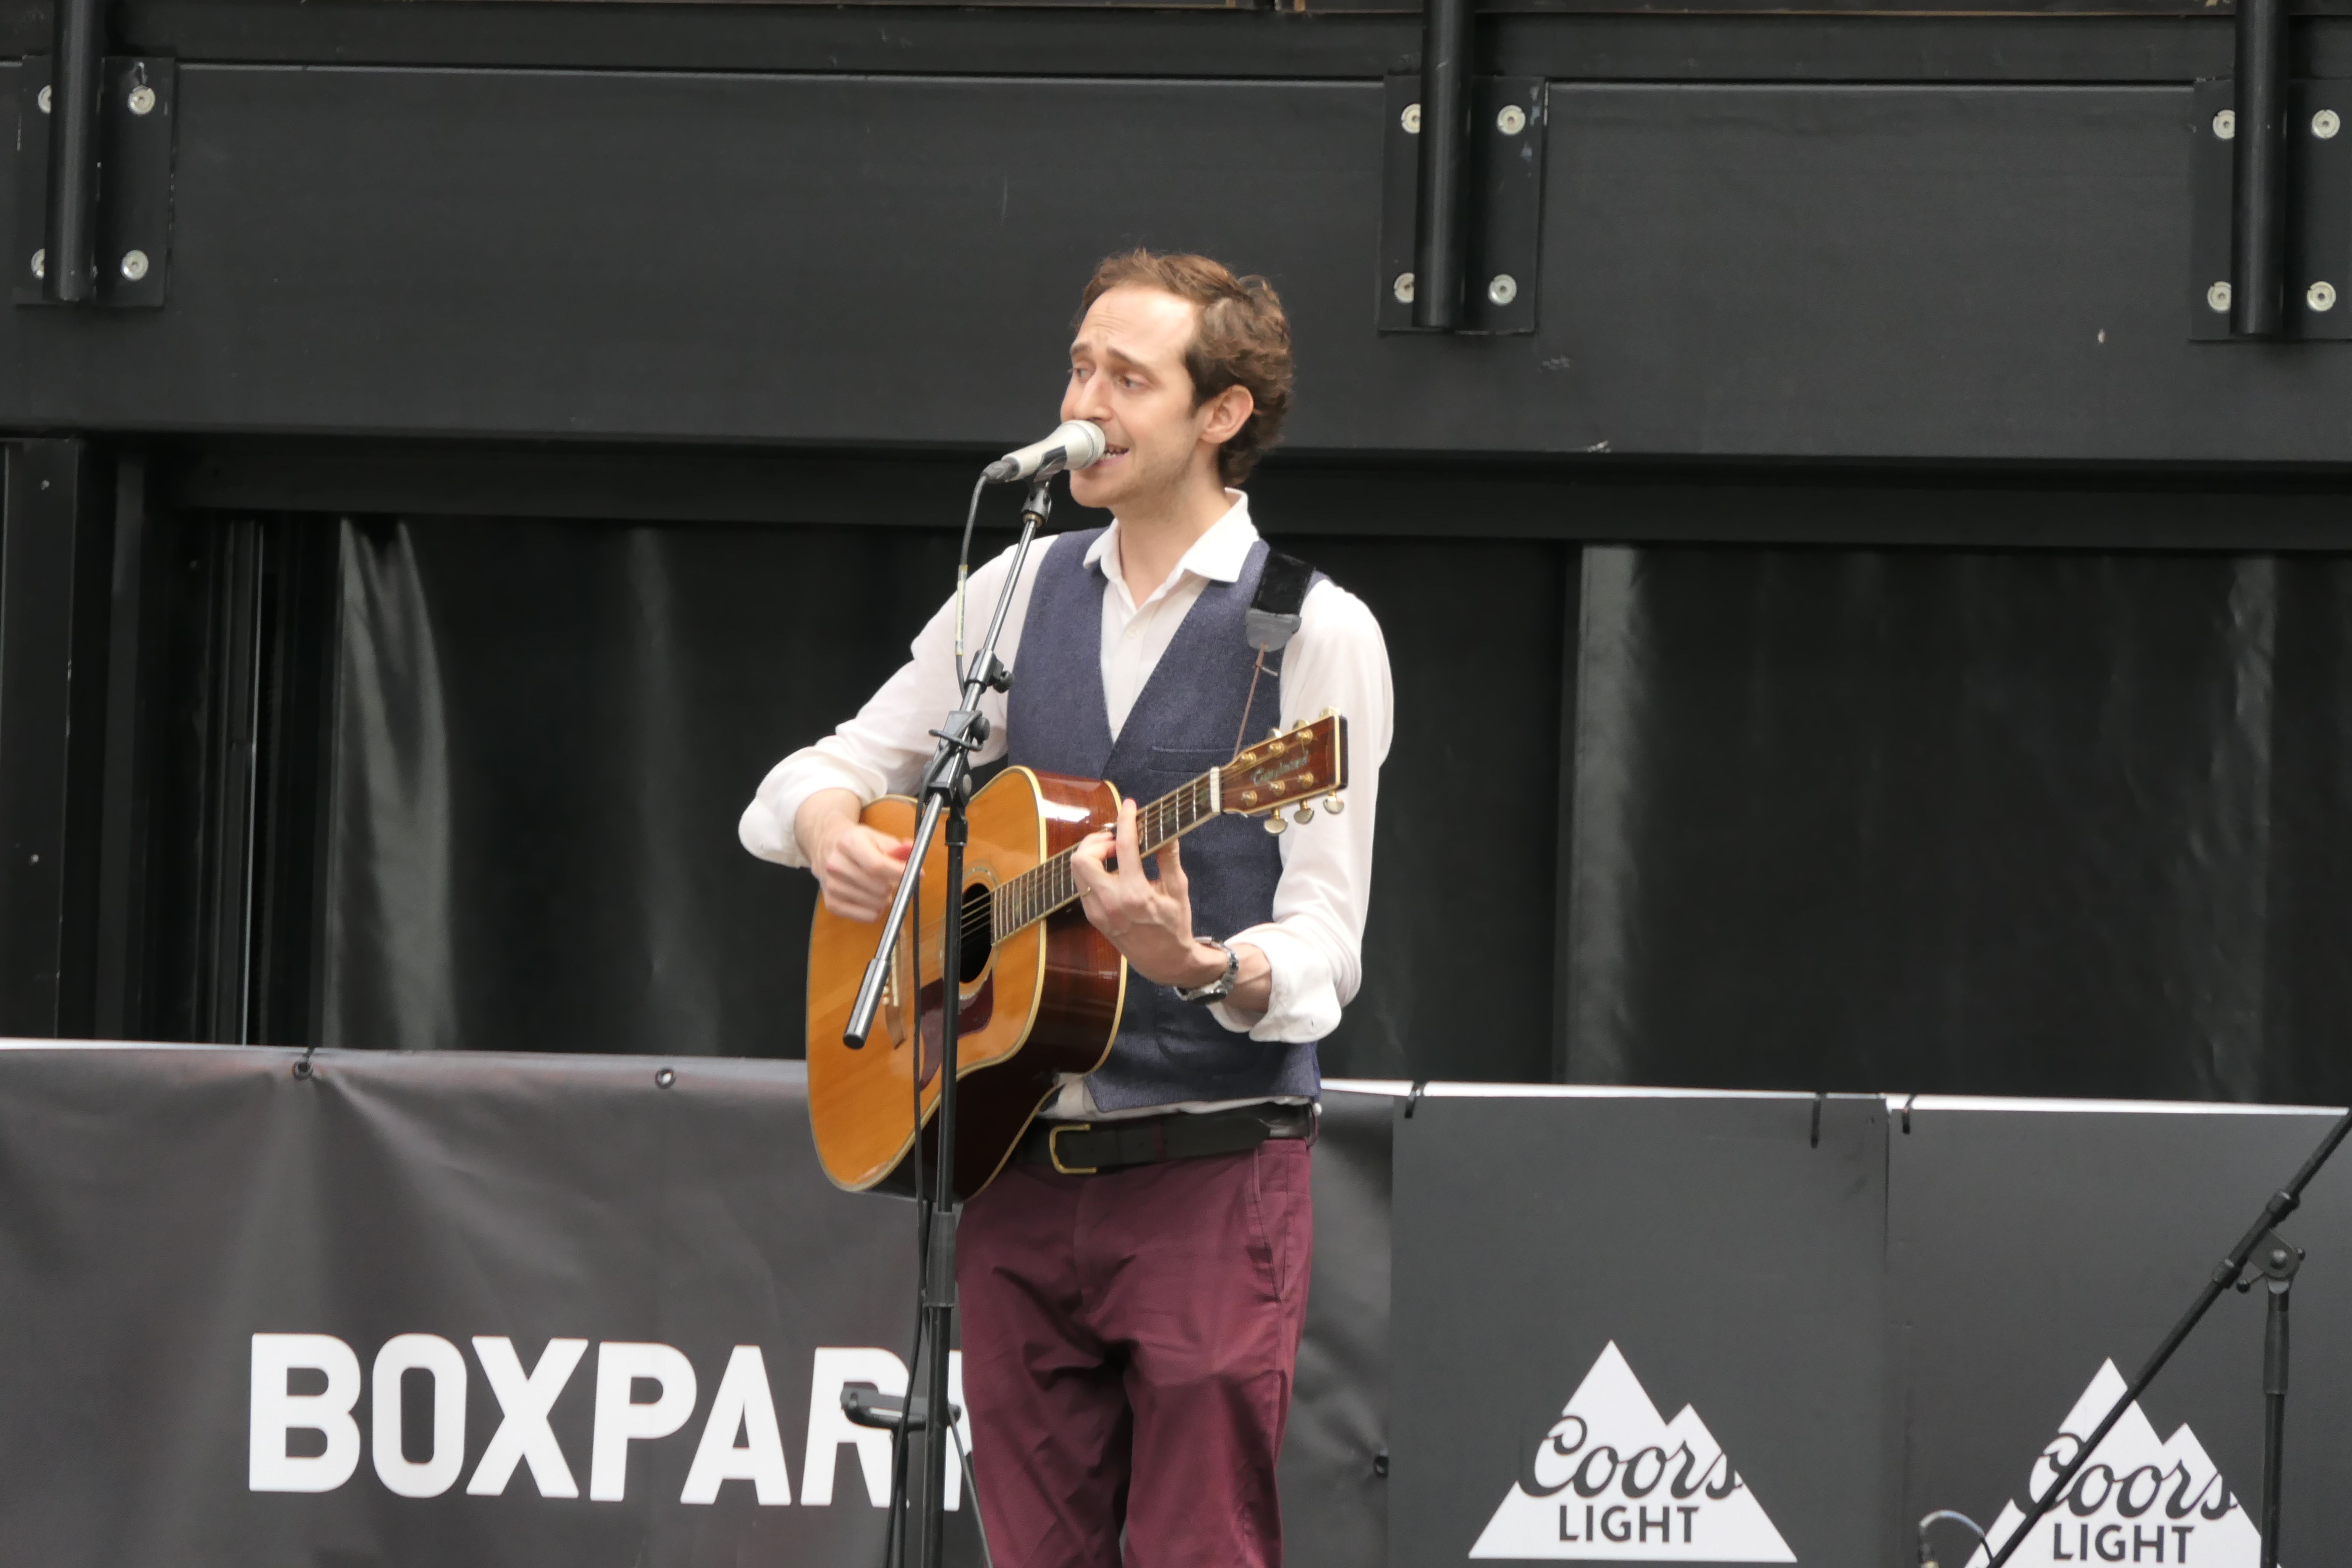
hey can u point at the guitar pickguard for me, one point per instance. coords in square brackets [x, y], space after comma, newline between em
[978, 1009]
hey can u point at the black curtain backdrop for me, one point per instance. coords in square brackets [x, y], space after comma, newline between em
[546, 730]
[2028, 823]
[1999, 824]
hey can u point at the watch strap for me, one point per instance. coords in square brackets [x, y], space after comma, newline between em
[1220, 988]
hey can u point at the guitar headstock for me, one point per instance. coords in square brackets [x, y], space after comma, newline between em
[1289, 767]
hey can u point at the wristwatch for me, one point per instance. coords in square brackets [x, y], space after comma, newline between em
[1220, 988]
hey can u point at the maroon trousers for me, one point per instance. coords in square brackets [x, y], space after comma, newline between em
[1128, 1343]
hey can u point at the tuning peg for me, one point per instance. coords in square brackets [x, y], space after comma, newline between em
[1328, 714]
[1273, 823]
[1275, 733]
[1306, 813]
[1334, 805]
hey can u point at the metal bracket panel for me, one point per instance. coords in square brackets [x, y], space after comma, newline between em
[2319, 212]
[138, 114]
[1508, 122]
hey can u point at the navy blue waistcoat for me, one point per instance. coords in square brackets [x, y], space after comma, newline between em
[1183, 725]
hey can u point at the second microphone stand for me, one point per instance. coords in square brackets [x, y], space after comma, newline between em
[946, 790]
[2262, 1254]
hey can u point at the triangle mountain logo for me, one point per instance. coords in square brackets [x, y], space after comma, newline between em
[2141, 1499]
[1614, 1482]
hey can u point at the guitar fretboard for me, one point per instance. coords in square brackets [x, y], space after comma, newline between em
[1051, 886]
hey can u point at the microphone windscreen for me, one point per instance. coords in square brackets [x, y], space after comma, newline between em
[1084, 442]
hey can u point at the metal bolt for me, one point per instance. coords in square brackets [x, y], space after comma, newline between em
[2225, 124]
[1411, 120]
[143, 100]
[40, 264]
[43, 101]
[1402, 288]
[663, 1079]
[1503, 289]
[2325, 124]
[1511, 121]
[2218, 297]
[135, 265]
[2320, 296]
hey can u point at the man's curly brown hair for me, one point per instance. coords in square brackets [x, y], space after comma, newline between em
[1242, 339]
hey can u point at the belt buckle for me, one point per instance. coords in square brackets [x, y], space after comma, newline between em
[1054, 1149]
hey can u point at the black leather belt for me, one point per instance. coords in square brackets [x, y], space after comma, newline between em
[1089, 1148]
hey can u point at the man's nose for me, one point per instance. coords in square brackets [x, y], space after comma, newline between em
[1083, 401]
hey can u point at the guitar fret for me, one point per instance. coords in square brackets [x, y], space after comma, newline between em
[1045, 888]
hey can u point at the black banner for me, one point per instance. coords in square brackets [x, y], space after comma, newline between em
[2042, 1251]
[580, 1311]
[472, 1308]
[1638, 1326]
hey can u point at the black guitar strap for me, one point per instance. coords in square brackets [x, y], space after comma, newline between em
[1272, 619]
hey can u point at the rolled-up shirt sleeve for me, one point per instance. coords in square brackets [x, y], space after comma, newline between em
[1314, 944]
[883, 750]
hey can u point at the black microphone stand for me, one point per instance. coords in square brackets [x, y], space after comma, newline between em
[2276, 1262]
[946, 790]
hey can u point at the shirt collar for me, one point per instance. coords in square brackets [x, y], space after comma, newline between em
[1218, 555]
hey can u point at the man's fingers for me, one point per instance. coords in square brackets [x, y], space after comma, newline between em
[1086, 861]
[861, 873]
[1171, 868]
[1130, 859]
[876, 848]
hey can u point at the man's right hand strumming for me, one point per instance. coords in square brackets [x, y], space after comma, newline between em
[857, 866]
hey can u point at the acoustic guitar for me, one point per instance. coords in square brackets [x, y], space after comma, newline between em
[1041, 989]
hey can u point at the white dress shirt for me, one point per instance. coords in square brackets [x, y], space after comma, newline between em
[1314, 943]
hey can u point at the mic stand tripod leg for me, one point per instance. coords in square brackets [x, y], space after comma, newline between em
[940, 1266]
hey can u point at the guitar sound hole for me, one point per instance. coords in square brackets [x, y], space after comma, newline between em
[979, 932]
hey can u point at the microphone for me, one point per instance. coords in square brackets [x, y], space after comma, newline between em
[1077, 445]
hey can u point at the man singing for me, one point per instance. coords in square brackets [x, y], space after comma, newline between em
[1129, 1335]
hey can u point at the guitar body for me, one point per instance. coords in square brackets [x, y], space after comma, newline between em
[1044, 1001]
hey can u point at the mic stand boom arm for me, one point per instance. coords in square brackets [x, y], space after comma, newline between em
[964, 732]
[946, 789]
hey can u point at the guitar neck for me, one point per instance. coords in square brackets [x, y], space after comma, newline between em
[1052, 886]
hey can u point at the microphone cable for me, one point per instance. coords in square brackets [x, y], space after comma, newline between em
[963, 572]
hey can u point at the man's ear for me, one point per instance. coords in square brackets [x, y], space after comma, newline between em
[1228, 412]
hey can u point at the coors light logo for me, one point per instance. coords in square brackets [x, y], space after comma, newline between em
[1615, 1481]
[2141, 1499]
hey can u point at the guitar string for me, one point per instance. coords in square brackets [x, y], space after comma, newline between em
[1050, 884]
[1018, 904]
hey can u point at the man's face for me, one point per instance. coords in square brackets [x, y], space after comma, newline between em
[1128, 375]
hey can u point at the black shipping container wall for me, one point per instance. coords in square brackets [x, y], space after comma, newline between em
[643, 347]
